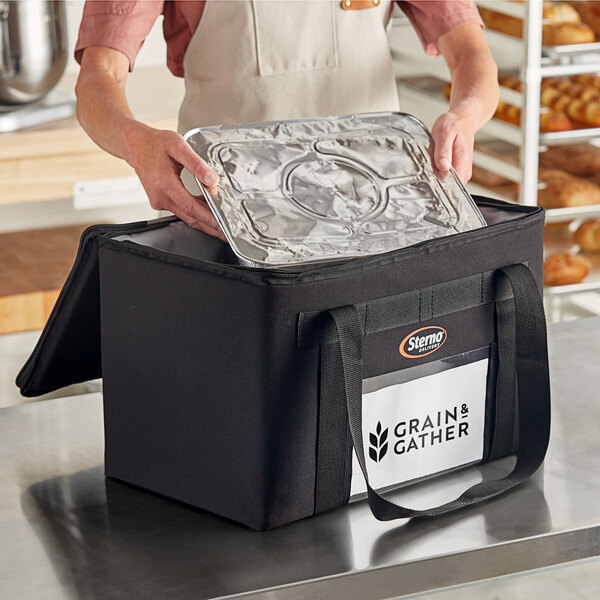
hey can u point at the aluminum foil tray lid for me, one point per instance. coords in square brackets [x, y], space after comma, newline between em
[294, 192]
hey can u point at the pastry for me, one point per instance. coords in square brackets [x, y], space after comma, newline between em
[586, 113]
[508, 113]
[561, 12]
[564, 190]
[553, 120]
[563, 268]
[588, 236]
[555, 174]
[560, 34]
[590, 14]
[564, 26]
[595, 179]
[576, 90]
[578, 159]
[587, 79]
[502, 23]
[510, 82]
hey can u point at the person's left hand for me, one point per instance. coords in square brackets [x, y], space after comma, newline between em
[454, 136]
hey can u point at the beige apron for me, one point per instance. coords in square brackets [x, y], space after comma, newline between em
[265, 60]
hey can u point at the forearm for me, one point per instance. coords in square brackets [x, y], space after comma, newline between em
[158, 156]
[475, 86]
[473, 99]
[473, 72]
[102, 108]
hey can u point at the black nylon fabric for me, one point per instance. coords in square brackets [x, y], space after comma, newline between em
[68, 350]
[528, 346]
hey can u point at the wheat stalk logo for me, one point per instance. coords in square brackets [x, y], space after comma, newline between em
[378, 443]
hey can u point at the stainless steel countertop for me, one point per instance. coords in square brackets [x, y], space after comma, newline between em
[66, 532]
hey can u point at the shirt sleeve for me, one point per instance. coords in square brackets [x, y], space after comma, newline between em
[432, 19]
[121, 25]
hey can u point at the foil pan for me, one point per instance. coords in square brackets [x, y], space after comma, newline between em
[295, 192]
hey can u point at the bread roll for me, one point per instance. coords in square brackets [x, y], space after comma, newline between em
[502, 23]
[547, 175]
[551, 120]
[564, 26]
[514, 83]
[560, 12]
[590, 14]
[551, 81]
[588, 236]
[595, 179]
[564, 190]
[508, 113]
[563, 268]
[587, 79]
[584, 113]
[560, 34]
[587, 113]
[577, 90]
[578, 159]
[555, 121]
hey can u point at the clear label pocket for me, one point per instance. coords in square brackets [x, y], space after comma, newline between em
[423, 420]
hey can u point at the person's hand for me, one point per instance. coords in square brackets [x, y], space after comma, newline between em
[158, 157]
[454, 136]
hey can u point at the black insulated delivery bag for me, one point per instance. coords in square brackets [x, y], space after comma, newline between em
[264, 394]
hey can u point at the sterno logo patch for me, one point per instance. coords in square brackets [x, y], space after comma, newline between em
[378, 443]
[423, 341]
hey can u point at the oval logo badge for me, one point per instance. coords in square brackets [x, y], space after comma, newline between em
[423, 341]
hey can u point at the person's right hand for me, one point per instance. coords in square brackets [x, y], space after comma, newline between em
[158, 157]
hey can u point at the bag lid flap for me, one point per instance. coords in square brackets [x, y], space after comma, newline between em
[69, 348]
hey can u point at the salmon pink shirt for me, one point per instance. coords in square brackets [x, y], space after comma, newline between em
[123, 25]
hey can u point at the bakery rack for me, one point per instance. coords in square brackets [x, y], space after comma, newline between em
[419, 85]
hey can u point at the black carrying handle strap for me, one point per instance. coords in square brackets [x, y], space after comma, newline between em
[527, 342]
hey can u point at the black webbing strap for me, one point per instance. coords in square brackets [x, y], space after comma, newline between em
[334, 445]
[408, 308]
[525, 340]
[506, 406]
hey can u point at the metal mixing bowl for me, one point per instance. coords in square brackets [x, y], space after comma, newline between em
[33, 49]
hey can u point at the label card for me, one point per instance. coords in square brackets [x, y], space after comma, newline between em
[424, 426]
